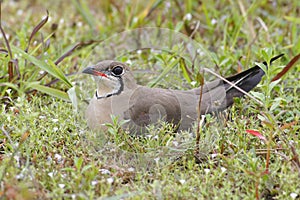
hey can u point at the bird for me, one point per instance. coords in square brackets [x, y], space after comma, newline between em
[118, 94]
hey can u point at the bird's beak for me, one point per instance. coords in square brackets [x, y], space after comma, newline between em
[93, 71]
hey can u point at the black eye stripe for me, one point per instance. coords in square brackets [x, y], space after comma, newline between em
[117, 70]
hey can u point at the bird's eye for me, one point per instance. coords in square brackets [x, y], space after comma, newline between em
[117, 70]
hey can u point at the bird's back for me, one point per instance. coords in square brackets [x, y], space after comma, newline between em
[143, 106]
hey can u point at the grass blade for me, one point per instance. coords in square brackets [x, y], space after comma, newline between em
[50, 91]
[49, 67]
[84, 10]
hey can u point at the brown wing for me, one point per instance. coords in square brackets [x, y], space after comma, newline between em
[150, 105]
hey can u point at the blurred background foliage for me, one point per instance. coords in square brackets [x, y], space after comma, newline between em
[234, 31]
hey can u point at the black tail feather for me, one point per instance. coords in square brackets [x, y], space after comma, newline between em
[248, 79]
[245, 80]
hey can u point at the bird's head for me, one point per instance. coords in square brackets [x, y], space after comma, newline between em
[111, 77]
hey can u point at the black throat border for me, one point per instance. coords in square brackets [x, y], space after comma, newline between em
[112, 94]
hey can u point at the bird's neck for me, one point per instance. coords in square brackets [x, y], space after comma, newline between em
[107, 88]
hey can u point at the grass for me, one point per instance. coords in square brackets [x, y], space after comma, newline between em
[47, 151]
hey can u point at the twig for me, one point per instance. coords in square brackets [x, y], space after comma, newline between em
[36, 29]
[195, 30]
[4, 35]
[286, 68]
[196, 151]
[7, 135]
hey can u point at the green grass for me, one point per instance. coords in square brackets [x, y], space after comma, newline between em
[47, 151]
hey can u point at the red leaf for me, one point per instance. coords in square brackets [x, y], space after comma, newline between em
[256, 134]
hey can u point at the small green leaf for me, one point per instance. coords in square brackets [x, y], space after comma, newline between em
[179, 26]
[258, 95]
[78, 162]
[267, 53]
[275, 105]
[292, 19]
[262, 66]
[273, 84]
[224, 62]
[68, 169]
[262, 118]
[264, 54]
[85, 168]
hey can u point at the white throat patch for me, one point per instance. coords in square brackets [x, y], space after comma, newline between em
[108, 86]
